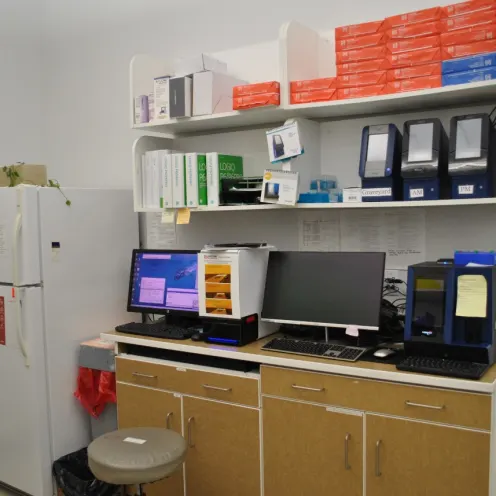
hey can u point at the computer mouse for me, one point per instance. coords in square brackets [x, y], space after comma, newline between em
[197, 337]
[384, 353]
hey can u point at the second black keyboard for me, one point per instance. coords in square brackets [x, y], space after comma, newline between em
[440, 366]
[156, 330]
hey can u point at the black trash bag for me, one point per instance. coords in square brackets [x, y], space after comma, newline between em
[74, 477]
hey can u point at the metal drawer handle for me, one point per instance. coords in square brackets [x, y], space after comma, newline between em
[346, 442]
[191, 444]
[305, 388]
[378, 458]
[420, 405]
[146, 376]
[168, 420]
[215, 388]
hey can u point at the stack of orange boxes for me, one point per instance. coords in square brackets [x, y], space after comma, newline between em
[361, 60]
[469, 29]
[313, 90]
[414, 50]
[250, 96]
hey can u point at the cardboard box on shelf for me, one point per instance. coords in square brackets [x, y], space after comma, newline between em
[416, 57]
[414, 30]
[468, 7]
[469, 20]
[324, 95]
[471, 35]
[363, 66]
[469, 63]
[199, 63]
[254, 101]
[414, 71]
[256, 89]
[370, 53]
[361, 91]
[458, 51]
[424, 15]
[362, 79]
[472, 76]
[407, 45]
[360, 42]
[414, 84]
[361, 29]
[28, 174]
[313, 84]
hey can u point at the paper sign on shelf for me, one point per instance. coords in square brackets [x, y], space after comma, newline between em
[318, 231]
[183, 215]
[159, 236]
[280, 187]
[284, 142]
[168, 216]
[471, 298]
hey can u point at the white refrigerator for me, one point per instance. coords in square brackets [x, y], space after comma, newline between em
[64, 276]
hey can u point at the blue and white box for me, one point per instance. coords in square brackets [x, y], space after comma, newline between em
[482, 61]
[473, 76]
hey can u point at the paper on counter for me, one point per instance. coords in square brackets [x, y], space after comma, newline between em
[318, 231]
[159, 236]
[471, 298]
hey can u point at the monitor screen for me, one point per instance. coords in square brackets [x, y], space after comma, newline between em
[376, 155]
[420, 142]
[468, 138]
[334, 289]
[163, 280]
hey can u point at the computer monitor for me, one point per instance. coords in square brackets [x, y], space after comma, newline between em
[334, 289]
[163, 281]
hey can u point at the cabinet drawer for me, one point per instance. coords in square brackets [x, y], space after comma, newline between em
[436, 405]
[231, 388]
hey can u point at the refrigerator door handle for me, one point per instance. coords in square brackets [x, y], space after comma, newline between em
[20, 335]
[15, 248]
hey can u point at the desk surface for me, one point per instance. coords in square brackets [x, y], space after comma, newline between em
[253, 353]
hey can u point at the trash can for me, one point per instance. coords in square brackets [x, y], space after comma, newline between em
[74, 478]
[96, 385]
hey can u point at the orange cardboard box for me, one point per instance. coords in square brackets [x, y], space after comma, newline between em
[253, 101]
[360, 42]
[457, 51]
[256, 89]
[362, 79]
[314, 96]
[415, 57]
[468, 7]
[471, 35]
[361, 91]
[415, 30]
[313, 84]
[398, 46]
[414, 71]
[469, 20]
[370, 53]
[414, 84]
[424, 15]
[363, 66]
[359, 29]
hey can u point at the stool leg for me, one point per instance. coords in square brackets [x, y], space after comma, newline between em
[140, 490]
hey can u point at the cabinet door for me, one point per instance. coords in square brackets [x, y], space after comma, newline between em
[311, 450]
[142, 407]
[224, 449]
[416, 459]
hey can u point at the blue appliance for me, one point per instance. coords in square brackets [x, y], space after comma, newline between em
[380, 163]
[424, 163]
[438, 321]
[471, 156]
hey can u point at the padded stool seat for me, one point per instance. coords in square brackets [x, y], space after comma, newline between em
[136, 456]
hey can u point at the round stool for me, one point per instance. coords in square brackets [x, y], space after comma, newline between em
[136, 456]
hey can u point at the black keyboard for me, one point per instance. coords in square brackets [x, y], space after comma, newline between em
[156, 330]
[315, 349]
[440, 366]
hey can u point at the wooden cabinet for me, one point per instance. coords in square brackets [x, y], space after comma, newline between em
[224, 448]
[415, 458]
[142, 407]
[311, 450]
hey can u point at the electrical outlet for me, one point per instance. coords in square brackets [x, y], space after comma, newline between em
[391, 274]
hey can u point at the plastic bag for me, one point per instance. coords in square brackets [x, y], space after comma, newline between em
[74, 477]
[95, 388]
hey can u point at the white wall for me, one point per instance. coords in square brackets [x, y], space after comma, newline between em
[90, 44]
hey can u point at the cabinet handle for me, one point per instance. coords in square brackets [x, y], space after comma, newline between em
[305, 388]
[215, 388]
[420, 405]
[146, 376]
[190, 437]
[378, 458]
[346, 442]
[168, 420]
